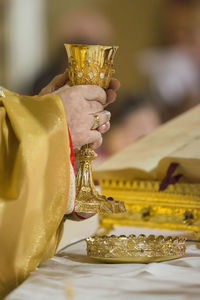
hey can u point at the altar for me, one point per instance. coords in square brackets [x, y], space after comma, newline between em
[72, 275]
[137, 178]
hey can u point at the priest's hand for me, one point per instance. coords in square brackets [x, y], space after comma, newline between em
[83, 104]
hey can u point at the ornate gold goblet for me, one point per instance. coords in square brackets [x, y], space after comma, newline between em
[91, 64]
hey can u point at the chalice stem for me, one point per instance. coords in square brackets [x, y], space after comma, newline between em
[84, 180]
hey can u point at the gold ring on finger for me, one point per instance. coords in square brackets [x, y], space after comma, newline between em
[96, 122]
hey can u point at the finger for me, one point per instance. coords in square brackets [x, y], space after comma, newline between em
[64, 89]
[93, 92]
[59, 81]
[95, 107]
[104, 128]
[111, 96]
[95, 139]
[56, 83]
[66, 73]
[114, 84]
[45, 90]
[104, 117]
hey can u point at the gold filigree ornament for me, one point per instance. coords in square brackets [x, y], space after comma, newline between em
[176, 208]
[132, 249]
[91, 64]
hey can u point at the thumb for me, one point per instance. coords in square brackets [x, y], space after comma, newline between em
[56, 83]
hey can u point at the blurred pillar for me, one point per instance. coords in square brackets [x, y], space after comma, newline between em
[26, 32]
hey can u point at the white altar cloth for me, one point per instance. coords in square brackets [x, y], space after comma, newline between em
[71, 275]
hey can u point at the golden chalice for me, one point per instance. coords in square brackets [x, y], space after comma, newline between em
[91, 64]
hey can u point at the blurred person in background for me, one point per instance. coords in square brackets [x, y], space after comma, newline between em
[174, 69]
[76, 27]
[133, 117]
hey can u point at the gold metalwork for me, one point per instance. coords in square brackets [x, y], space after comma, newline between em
[196, 236]
[146, 213]
[188, 217]
[96, 122]
[176, 208]
[87, 197]
[91, 64]
[139, 249]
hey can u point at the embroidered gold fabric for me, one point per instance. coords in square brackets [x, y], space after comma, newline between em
[34, 183]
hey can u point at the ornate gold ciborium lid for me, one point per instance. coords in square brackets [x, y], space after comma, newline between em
[141, 249]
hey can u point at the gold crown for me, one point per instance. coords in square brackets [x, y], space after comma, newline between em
[143, 249]
[90, 64]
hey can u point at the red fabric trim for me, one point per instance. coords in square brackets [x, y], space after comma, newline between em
[72, 159]
[80, 217]
[72, 152]
[84, 216]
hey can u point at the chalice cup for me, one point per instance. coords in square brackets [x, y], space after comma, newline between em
[91, 64]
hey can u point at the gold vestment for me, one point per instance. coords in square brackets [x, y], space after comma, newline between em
[34, 183]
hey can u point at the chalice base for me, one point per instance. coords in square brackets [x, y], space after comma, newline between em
[91, 202]
[87, 198]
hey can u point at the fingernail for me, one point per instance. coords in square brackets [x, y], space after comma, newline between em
[103, 126]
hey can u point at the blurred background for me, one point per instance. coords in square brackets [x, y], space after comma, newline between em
[158, 62]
